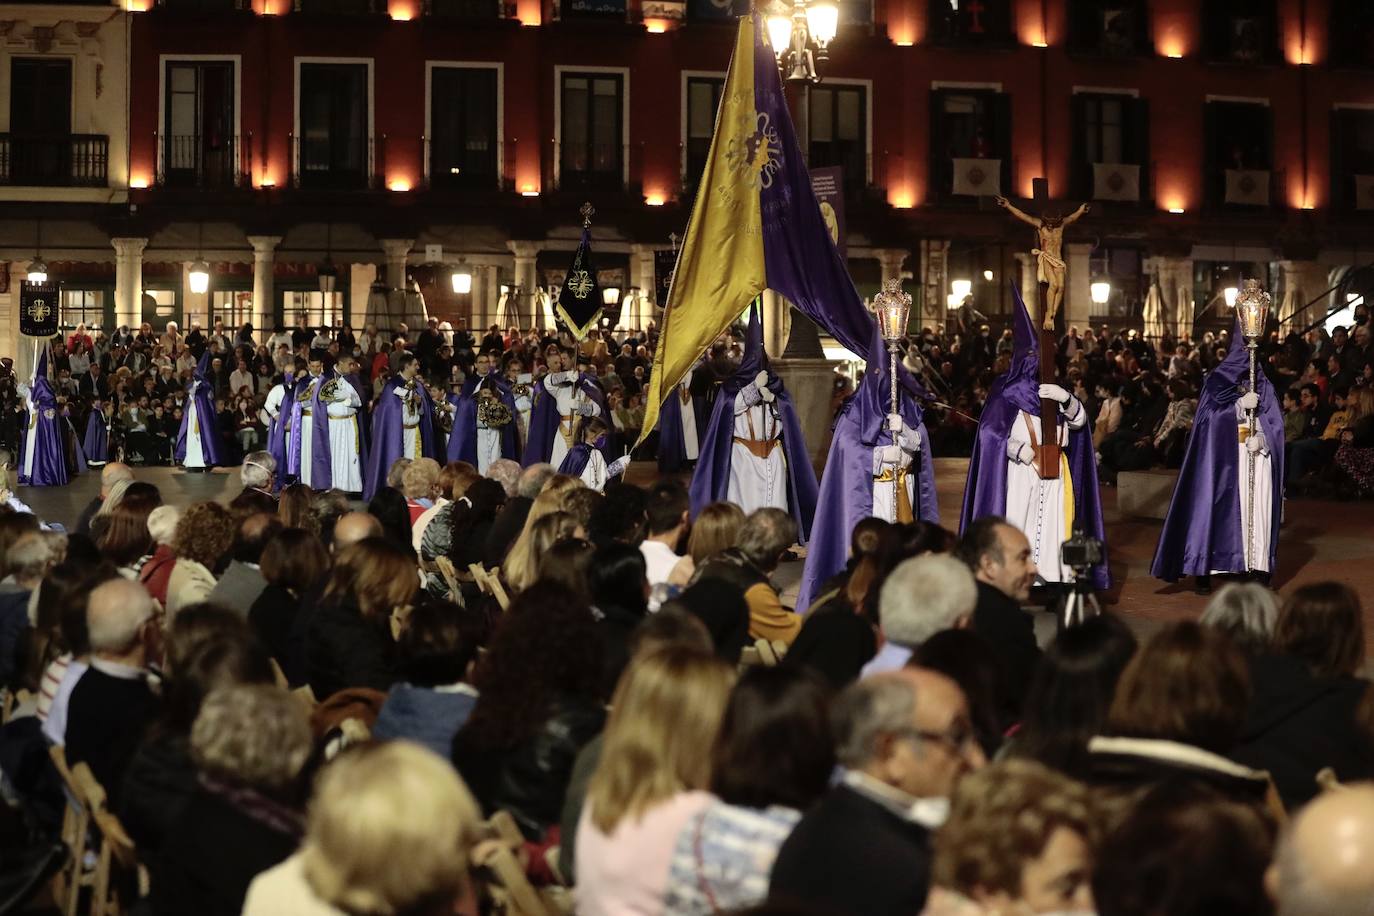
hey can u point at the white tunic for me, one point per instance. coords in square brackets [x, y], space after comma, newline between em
[195, 455]
[1264, 501]
[31, 439]
[691, 446]
[568, 397]
[594, 475]
[523, 404]
[271, 407]
[307, 430]
[344, 465]
[1037, 506]
[883, 496]
[411, 416]
[757, 483]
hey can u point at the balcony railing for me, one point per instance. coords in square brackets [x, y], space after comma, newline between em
[595, 167]
[189, 161]
[445, 167]
[202, 6]
[470, 9]
[340, 7]
[337, 163]
[65, 160]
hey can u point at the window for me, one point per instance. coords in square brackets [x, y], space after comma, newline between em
[703, 100]
[1352, 33]
[338, 7]
[83, 306]
[1239, 148]
[334, 146]
[1240, 31]
[232, 306]
[161, 303]
[1111, 147]
[465, 9]
[591, 154]
[970, 137]
[40, 133]
[463, 140]
[1111, 28]
[198, 142]
[971, 22]
[1121, 268]
[837, 130]
[312, 308]
[716, 10]
[1352, 158]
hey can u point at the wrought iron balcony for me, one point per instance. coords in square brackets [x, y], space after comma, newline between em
[55, 160]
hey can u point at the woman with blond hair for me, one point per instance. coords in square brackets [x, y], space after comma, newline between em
[348, 640]
[714, 529]
[653, 777]
[389, 832]
[522, 563]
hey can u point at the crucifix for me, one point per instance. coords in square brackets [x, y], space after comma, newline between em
[1050, 268]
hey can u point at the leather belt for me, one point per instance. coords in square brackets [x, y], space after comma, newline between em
[410, 425]
[759, 448]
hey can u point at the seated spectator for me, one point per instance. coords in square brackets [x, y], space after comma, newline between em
[1019, 838]
[436, 650]
[112, 704]
[125, 541]
[763, 540]
[1071, 693]
[1185, 850]
[249, 744]
[156, 569]
[1293, 418]
[966, 659]
[668, 521]
[1179, 707]
[462, 533]
[922, 597]
[62, 674]
[349, 638]
[28, 561]
[420, 486]
[455, 478]
[651, 780]
[1355, 457]
[1246, 612]
[1310, 709]
[905, 741]
[621, 516]
[293, 507]
[716, 528]
[326, 508]
[521, 564]
[243, 580]
[208, 647]
[1325, 859]
[292, 563]
[772, 759]
[511, 521]
[389, 507]
[620, 595]
[1000, 557]
[203, 538]
[539, 703]
[353, 527]
[722, 610]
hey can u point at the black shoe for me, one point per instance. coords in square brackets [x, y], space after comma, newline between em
[1202, 585]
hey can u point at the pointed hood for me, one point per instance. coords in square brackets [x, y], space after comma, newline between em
[203, 368]
[41, 389]
[1021, 384]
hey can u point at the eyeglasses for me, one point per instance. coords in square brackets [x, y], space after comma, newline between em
[958, 737]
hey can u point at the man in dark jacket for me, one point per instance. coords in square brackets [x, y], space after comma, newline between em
[999, 555]
[905, 740]
[29, 559]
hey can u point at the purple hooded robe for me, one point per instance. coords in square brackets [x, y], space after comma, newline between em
[277, 434]
[49, 467]
[388, 431]
[1202, 532]
[711, 479]
[985, 493]
[321, 464]
[846, 494]
[96, 443]
[462, 442]
[672, 456]
[202, 392]
[544, 420]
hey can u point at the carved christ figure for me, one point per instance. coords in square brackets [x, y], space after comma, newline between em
[1050, 258]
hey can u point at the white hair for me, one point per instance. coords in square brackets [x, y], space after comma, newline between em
[866, 709]
[162, 523]
[114, 613]
[258, 470]
[924, 596]
[30, 555]
[1247, 611]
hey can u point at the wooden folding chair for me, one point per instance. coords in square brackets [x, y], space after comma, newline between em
[503, 878]
[489, 581]
[13, 700]
[749, 657]
[118, 856]
[76, 825]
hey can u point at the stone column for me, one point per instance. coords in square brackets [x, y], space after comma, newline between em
[777, 323]
[527, 278]
[1078, 299]
[264, 256]
[400, 306]
[1026, 282]
[1175, 275]
[491, 276]
[934, 282]
[1303, 281]
[128, 280]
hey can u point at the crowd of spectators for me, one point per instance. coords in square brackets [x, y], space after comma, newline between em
[295, 706]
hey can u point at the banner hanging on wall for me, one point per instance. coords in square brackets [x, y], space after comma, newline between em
[38, 309]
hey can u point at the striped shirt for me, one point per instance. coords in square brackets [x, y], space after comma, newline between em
[723, 858]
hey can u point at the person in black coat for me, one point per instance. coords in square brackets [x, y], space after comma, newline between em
[879, 721]
[620, 592]
[292, 562]
[249, 745]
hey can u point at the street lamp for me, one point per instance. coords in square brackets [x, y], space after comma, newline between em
[328, 276]
[462, 282]
[199, 277]
[1101, 292]
[801, 36]
[892, 308]
[610, 296]
[1229, 294]
[38, 271]
[1252, 309]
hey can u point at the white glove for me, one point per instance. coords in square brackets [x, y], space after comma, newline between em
[892, 454]
[1255, 443]
[751, 396]
[894, 422]
[761, 381]
[767, 395]
[1020, 452]
[585, 409]
[910, 439]
[1249, 401]
[618, 466]
[1054, 393]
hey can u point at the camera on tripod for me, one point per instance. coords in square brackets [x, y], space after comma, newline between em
[1082, 551]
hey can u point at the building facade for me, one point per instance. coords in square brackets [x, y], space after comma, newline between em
[402, 141]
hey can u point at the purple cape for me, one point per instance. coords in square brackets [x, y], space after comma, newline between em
[1202, 531]
[49, 461]
[462, 442]
[575, 462]
[846, 496]
[321, 463]
[388, 430]
[711, 479]
[276, 436]
[672, 453]
[544, 421]
[96, 443]
[986, 490]
[203, 394]
[77, 456]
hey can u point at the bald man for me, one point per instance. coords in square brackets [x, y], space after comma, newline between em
[110, 474]
[352, 527]
[1325, 861]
